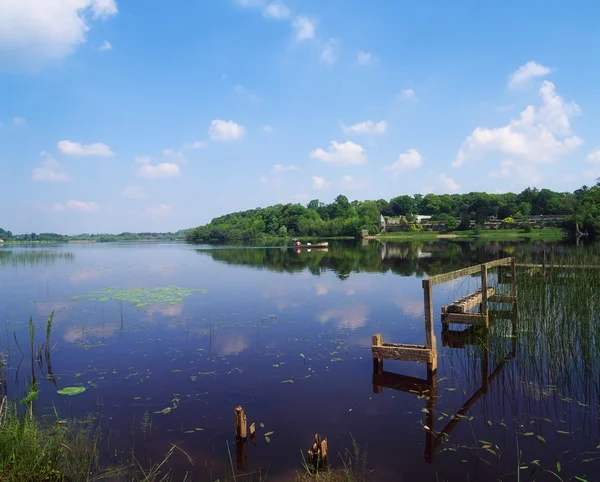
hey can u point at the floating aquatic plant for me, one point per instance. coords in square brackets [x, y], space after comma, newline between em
[70, 391]
[140, 297]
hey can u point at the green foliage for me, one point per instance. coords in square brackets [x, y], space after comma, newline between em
[508, 220]
[450, 222]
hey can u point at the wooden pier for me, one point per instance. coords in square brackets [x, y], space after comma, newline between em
[458, 312]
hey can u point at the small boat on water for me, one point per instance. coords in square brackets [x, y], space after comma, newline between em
[310, 246]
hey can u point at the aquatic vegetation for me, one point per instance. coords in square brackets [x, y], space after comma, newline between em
[31, 257]
[140, 297]
[70, 391]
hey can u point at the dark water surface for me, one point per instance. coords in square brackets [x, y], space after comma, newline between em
[187, 333]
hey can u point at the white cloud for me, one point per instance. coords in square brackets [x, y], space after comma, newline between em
[538, 135]
[329, 53]
[525, 73]
[160, 210]
[593, 156]
[34, 33]
[277, 10]
[83, 206]
[304, 28]
[411, 159]
[104, 9]
[366, 127]
[133, 192]
[143, 159]
[279, 168]
[225, 131]
[525, 173]
[106, 45]
[194, 145]
[267, 129]
[19, 121]
[364, 58]
[50, 171]
[160, 171]
[319, 183]
[449, 184]
[341, 153]
[407, 95]
[98, 149]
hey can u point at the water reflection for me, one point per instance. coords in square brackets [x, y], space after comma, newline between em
[402, 258]
[33, 257]
[352, 317]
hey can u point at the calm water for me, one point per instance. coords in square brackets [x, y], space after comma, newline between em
[185, 334]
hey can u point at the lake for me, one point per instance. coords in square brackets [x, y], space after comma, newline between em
[168, 339]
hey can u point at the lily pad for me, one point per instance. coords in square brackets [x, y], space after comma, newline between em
[71, 391]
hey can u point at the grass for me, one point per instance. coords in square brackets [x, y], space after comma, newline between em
[545, 233]
[33, 451]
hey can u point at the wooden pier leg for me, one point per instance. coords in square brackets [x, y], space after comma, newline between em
[513, 272]
[484, 296]
[377, 362]
[241, 424]
[485, 363]
[430, 341]
[430, 418]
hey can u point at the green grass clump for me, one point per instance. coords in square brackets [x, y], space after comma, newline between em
[33, 451]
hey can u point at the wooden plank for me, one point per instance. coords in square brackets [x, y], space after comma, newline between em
[502, 298]
[403, 352]
[468, 302]
[464, 318]
[443, 278]
[404, 383]
[462, 338]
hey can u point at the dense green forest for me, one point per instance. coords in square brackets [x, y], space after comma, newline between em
[345, 218]
[7, 236]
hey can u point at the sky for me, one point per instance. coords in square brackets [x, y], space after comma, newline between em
[156, 116]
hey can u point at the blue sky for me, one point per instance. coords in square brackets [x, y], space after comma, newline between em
[157, 116]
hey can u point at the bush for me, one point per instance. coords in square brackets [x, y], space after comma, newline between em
[527, 228]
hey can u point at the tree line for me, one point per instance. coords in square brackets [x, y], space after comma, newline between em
[100, 238]
[345, 218]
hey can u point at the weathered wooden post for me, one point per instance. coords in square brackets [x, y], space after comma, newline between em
[430, 341]
[241, 423]
[241, 427]
[484, 294]
[377, 362]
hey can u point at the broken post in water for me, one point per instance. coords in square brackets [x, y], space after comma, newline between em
[240, 437]
[317, 455]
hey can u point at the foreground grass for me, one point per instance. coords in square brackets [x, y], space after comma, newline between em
[350, 466]
[31, 451]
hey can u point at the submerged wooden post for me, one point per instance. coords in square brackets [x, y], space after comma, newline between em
[241, 424]
[484, 294]
[430, 341]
